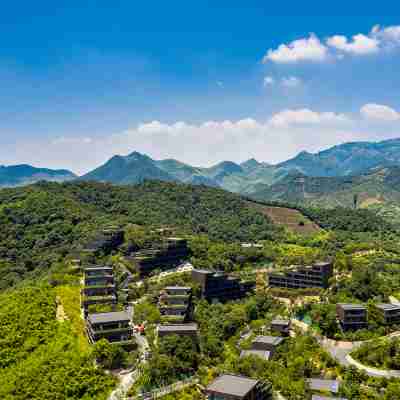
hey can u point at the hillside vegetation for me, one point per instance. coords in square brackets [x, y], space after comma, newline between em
[43, 222]
[36, 349]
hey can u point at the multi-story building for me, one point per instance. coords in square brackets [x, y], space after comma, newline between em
[175, 303]
[116, 327]
[235, 387]
[170, 253]
[220, 286]
[177, 329]
[99, 287]
[298, 277]
[352, 316]
[390, 313]
[106, 240]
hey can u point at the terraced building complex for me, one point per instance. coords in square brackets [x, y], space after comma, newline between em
[99, 287]
[170, 253]
[175, 303]
[298, 277]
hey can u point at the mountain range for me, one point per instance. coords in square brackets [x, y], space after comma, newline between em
[19, 175]
[251, 176]
[367, 171]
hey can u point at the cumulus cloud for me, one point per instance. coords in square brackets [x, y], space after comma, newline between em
[305, 116]
[314, 49]
[274, 139]
[360, 44]
[307, 49]
[379, 112]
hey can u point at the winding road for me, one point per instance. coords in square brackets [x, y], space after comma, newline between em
[340, 351]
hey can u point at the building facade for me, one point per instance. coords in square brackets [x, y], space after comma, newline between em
[390, 313]
[170, 253]
[116, 327]
[175, 303]
[352, 316]
[220, 286]
[99, 287]
[298, 277]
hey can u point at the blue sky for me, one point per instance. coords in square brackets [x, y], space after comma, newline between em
[83, 80]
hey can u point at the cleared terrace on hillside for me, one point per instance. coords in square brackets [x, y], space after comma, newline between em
[288, 217]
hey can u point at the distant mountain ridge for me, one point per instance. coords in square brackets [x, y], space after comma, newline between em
[19, 175]
[251, 176]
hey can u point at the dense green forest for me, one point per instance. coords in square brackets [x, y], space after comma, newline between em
[42, 223]
[37, 352]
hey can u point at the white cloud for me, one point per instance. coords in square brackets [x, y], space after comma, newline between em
[379, 112]
[389, 35]
[314, 49]
[269, 81]
[291, 82]
[275, 139]
[308, 49]
[305, 116]
[359, 45]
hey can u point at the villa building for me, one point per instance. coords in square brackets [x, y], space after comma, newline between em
[170, 253]
[220, 286]
[175, 303]
[352, 316]
[298, 277]
[99, 287]
[177, 329]
[390, 313]
[114, 326]
[235, 387]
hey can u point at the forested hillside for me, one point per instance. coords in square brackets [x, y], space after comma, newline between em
[44, 222]
[39, 354]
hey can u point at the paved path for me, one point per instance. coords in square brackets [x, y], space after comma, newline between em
[385, 373]
[128, 378]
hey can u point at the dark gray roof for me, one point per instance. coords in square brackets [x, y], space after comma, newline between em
[266, 355]
[273, 340]
[324, 384]
[232, 385]
[101, 318]
[388, 307]
[284, 322]
[351, 306]
[98, 268]
[177, 327]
